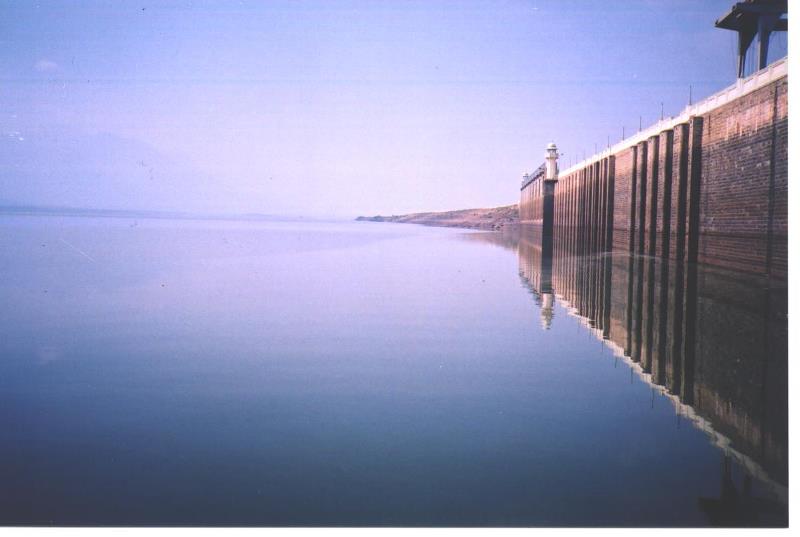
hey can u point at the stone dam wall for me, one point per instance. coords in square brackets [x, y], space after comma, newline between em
[709, 186]
[666, 241]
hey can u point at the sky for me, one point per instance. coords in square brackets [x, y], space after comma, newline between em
[333, 109]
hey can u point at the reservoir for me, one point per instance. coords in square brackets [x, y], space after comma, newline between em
[255, 373]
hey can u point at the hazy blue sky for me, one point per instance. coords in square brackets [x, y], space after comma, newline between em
[332, 108]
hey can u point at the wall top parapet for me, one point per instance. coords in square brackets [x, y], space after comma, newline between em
[530, 178]
[741, 87]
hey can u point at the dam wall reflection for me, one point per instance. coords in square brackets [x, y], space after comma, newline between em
[716, 346]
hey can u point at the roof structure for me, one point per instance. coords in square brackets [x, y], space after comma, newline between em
[751, 17]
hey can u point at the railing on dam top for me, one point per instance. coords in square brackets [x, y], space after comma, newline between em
[743, 86]
[530, 178]
[681, 190]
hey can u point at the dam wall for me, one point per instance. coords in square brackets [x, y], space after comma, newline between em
[708, 186]
[531, 207]
[664, 241]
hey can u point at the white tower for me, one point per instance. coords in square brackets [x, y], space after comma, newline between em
[551, 162]
[547, 310]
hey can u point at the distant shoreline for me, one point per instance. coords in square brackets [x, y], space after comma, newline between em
[487, 219]
[19, 210]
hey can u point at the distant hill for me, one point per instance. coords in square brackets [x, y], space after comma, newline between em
[490, 219]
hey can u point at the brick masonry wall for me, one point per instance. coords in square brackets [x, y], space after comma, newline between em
[623, 198]
[531, 206]
[743, 202]
[667, 244]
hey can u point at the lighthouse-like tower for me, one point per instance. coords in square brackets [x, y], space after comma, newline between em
[551, 163]
[548, 201]
[550, 180]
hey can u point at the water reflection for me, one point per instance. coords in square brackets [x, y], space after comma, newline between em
[714, 342]
[224, 373]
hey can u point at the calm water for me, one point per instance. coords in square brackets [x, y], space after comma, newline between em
[165, 372]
